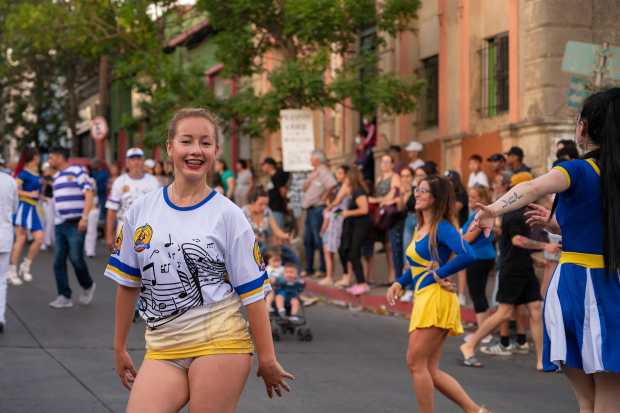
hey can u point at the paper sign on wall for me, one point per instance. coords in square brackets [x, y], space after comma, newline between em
[297, 132]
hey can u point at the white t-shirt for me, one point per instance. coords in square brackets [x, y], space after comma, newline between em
[479, 178]
[418, 163]
[125, 190]
[183, 258]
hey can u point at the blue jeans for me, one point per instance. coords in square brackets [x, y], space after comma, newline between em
[70, 242]
[312, 237]
[396, 241]
[103, 210]
[410, 223]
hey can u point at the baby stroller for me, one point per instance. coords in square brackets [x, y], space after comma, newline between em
[300, 327]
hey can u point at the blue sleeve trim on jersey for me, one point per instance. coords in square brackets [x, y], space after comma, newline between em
[112, 200]
[127, 269]
[249, 288]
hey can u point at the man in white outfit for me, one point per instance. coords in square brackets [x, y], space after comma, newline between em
[8, 207]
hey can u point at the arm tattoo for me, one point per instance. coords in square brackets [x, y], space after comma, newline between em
[511, 200]
[530, 242]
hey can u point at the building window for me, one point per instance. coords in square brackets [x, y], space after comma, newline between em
[494, 77]
[429, 100]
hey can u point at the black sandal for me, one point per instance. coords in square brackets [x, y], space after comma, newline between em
[472, 362]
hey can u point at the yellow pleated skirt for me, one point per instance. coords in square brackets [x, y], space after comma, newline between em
[436, 307]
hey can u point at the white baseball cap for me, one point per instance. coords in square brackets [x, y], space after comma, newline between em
[149, 163]
[134, 152]
[414, 146]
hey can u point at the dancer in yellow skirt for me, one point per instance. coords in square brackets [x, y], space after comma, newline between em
[436, 311]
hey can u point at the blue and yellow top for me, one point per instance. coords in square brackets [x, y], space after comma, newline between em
[434, 306]
[28, 182]
[418, 254]
[579, 214]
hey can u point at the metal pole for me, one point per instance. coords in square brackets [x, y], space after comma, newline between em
[602, 61]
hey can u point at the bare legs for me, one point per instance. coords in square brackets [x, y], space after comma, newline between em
[549, 270]
[503, 313]
[281, 301]
[596, 393]
[20, 239]
[212, 384]
[329, 267]
[423, 354]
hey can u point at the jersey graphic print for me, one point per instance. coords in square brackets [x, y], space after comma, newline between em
[142, 238]
[163, 302]
[118, 243]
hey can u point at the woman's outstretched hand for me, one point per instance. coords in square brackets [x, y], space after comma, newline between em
[273, 375]
[444, 283]
[392, 293]
[484, 220]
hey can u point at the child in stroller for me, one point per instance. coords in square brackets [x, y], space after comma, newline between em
[289, 303]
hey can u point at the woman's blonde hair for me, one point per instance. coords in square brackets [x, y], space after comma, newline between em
[189, 113]
[444, 210]
[484, 193]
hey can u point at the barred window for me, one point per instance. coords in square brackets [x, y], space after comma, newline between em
[494, 76]
[429, 100]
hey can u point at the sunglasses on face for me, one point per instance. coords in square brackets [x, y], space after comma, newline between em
[385, 161]
[422, 191]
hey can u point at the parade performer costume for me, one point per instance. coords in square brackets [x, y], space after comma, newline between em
[195, 266]
[433, 305]
[27, 215]
[582, 311]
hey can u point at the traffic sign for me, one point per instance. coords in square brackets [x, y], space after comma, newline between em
[98, 128]
[577, 91]
[582, 58]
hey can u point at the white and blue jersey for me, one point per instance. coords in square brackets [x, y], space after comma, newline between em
[26, 215]
[582, 310]
[69, 187]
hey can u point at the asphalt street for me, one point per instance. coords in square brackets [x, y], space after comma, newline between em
[62, 360]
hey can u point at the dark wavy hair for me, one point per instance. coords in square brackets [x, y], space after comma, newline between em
[601, 113]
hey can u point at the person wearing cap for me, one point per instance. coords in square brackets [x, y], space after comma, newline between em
[101, 176]
[73, 198]
[514, 159]
[498, 163]
[276, 189]
[149, 166]
[413, 152]
[517, 285]
[125, 190]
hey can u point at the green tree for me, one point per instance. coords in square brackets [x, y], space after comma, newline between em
[303, 35]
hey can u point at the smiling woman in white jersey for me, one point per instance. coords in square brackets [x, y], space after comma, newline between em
[192, 257]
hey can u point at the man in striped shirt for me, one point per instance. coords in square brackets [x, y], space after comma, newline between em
[73, 197]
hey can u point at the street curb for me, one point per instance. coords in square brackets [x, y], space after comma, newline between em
[378, 303]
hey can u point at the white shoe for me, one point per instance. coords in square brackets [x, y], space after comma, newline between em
[61, 302]
[24, 271]
[485, 340]
[13, 278]
[407, 297]
[462, 300]
[497, 350]
[87, 295]
[518, 348]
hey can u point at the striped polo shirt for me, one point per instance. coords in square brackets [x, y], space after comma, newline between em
[69, 187]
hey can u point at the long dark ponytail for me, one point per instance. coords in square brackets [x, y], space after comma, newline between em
[601, 112]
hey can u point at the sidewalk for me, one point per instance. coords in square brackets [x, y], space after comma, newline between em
[375, 299]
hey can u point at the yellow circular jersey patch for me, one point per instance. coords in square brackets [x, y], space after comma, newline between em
[142, 238]
[118, 243]
[258, 257]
